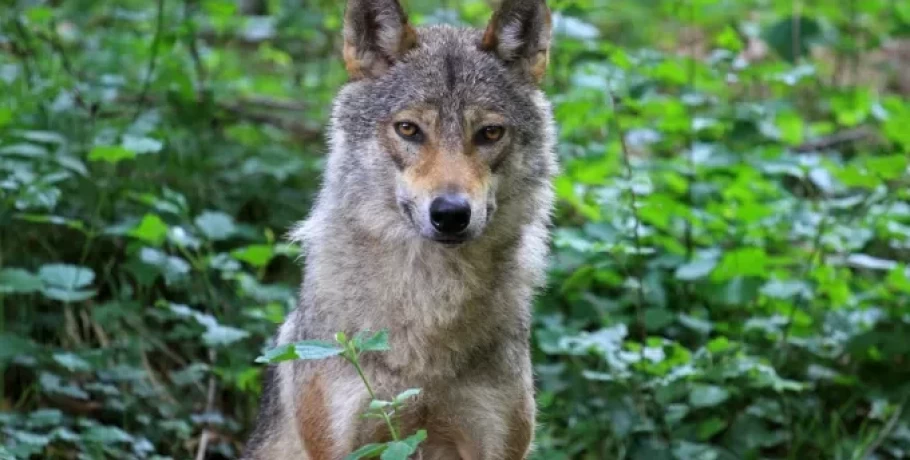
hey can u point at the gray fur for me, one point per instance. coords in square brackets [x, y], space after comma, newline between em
[459, 317]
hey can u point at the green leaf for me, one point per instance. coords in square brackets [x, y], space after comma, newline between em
[791, 127]
[780, 36]
[316, 349]
[367, 451]
[72, 362]
[6, 116]
[718, 345]
[55, 220]
[786, 289]
[173, 268]
[66, 276]
[107, 435]
[707, 395]
[376, 342]
[401, 450]
[110, 153]
[742, 262]
[257, 255]
[710, 427]
[377, 405]
[18, 281]
[68, 295]
[696, 269]
[12, 346]
[220, 335]
[151, 229]
[406, 394]
[216, 226]
[141, 145]
[278, 354]
[24, 149]
[307, 349]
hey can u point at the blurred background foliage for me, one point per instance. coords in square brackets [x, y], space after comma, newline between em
[729, 277]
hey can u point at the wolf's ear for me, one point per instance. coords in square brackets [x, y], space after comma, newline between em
[519, 34]
[376, 34]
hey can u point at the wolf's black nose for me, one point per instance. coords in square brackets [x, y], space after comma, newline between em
[450, 214]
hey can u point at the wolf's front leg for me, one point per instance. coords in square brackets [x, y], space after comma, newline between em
[327, 410]
[495, 422]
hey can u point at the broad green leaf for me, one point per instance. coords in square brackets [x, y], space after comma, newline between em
[401, 450]
[376, 342]
[220, 335]
[696, 269]
[107, 435]
[141, 145]
[316, 349]
[718, 345]
[24, 150]
[173, 268]
[710, 427]
[216, 226]
[791, 127]
[742, 262]
[307, 349]
[68, 295]
[278, 354]
[12, 345]
[785, 289]
[6, 116]
[780, 36]
[110, 153]
[887, 167]
[45, 137]
[367, 451]
[18, 281]
[66, 276]
[257, 255]
[72, 362]
[150, 229]
[707, 395]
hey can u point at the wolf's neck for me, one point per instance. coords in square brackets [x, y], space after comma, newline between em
[408, 278]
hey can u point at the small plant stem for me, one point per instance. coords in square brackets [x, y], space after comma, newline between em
[352, 358]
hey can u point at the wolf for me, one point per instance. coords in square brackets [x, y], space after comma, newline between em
[431, 222]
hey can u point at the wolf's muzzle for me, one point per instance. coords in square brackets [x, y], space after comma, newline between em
[450, 215]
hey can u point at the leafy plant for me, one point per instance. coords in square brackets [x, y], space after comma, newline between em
[350, 349]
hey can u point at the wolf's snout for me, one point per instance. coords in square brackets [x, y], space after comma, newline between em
[450, 214]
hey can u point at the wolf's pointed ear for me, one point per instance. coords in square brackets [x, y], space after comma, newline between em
[519, 34]
[376, 34]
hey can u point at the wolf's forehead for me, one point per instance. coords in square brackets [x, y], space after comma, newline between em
[448, 62]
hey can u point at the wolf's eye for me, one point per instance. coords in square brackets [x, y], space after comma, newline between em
[407, 130]
[489, 134]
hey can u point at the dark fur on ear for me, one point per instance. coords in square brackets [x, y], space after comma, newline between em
[519, 34]
[376, 34]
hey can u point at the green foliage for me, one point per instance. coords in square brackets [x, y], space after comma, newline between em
[350, 350]
[730, 257]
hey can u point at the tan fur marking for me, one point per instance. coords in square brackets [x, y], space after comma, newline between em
[540, 60]
[521, 431]
[539, 65]
[352, 62]
[490, 40]
[437, 169]
[408, 39]
[314, 420]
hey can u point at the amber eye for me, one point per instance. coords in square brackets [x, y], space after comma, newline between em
[407, 130]
[489, 134]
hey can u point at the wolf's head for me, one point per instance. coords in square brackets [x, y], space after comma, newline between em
[439, 126]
